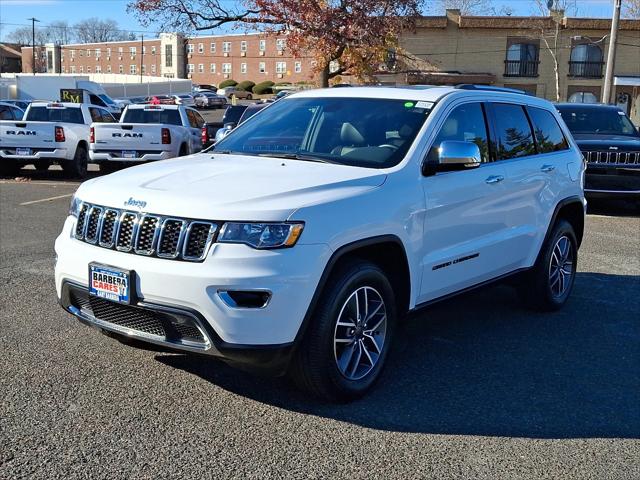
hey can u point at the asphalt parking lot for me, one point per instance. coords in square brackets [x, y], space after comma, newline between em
[476, 387]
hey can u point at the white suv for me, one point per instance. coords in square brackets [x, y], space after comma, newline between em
[298, 243]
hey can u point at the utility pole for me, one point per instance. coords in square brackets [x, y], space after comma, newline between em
[141, 55]
[33, 43]
[611, 54]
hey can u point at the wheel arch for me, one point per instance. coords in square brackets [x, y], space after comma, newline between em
[572, 210]
[386, 251]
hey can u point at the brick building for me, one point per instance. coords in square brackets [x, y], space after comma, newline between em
[10, 58]
[210, 59]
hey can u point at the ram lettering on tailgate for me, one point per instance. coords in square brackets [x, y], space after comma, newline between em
[126, 135]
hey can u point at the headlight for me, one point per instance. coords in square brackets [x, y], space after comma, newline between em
[74, 207]
[261, 235]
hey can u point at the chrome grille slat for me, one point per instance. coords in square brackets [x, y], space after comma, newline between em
[145, 234]
[612, 158]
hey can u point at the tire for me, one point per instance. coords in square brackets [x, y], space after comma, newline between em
[42, 165]
[77, 168]
[547, 286]
[183, 151]
[343, 371]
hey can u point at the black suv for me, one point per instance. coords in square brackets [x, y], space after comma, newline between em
[610, 144]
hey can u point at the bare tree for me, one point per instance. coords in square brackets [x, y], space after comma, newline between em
[466, 7]
[23, 36]
[541, 7]
[631, 8]
[94, 30]
[60, 32]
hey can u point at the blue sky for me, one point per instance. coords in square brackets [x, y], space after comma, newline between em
[14, 13]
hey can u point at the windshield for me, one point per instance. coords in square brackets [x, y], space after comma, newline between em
[140, 115]
[58, 114]
[106, 99]
[364, 132]
[603, 121]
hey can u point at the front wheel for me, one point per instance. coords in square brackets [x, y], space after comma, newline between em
[77, 168]
[346, 345]
[549, 283]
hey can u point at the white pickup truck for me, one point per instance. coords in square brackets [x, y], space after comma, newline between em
[146, 133]
[50, 133]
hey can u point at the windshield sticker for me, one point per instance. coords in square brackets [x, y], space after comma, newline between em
[408, 104]
[422, 104]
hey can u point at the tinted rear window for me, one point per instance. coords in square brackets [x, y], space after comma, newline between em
[513, 132]
[138, 115]
[44, 114]
[548, 133]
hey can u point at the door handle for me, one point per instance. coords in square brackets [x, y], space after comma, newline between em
[494, 179]
[548, 168]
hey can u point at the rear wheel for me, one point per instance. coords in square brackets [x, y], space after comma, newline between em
[184, 151]
[346, 345]
[549, 283]
[77, 168]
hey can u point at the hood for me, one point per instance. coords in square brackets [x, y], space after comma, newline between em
[228, 187]
[603, 142]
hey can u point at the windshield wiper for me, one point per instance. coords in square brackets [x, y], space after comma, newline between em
[296, 156]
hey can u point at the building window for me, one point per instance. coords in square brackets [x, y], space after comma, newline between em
[298, 67]
[108, 52]
[132, 51]
[201, 48]
[88, 52]
[168, 55]
[72, 54]
[583, 97]
[64, 69]
[226, 47]
[201, 68]
[153, 69]
[263, 45]
[81, 69]
[81, 53]
[190, 48]
[226, 68]
[586, 61]
[522, 60]
[98, 52]
[98, 69]
[212, 68]
[61, 55]
[153, 50]
[262, 67]
[243, 46]
[120, 69]
[280, 44]
[120, 51]
[143, 69]
[190, 68]
[108, 68]
[73, 69]
[132, 69]
[281, 67]
[243, 68]
[88, 69]
[212, 48]
[144, 50]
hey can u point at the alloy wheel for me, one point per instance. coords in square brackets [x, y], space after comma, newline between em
[360, 333]
[561, 267]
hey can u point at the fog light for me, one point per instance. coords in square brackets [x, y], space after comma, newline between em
[245, 298]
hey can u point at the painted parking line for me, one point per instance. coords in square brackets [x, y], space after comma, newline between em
[49, 199]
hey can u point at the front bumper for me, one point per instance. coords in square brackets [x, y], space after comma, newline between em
[620, 181]
[290, 275]
[147, 157]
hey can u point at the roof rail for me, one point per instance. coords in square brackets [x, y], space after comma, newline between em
[468, 86]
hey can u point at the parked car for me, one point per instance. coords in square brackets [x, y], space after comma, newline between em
[215, 131]
[21, 104]
[146, 133]
[230, 119]
[229, 92]
[204, 87]
[9, 111]
[183, 99]
[50, 132]
[210, 100]
[160, 100]
[610, 144]
[299, 242]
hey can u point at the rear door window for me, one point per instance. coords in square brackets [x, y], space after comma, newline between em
[514, 138]
[549, 136]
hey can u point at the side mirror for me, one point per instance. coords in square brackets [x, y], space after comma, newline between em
[454, 155]
[229, 126]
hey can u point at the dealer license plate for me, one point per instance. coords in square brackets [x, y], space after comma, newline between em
[23, 151]
[129, 154]
[110, 283]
